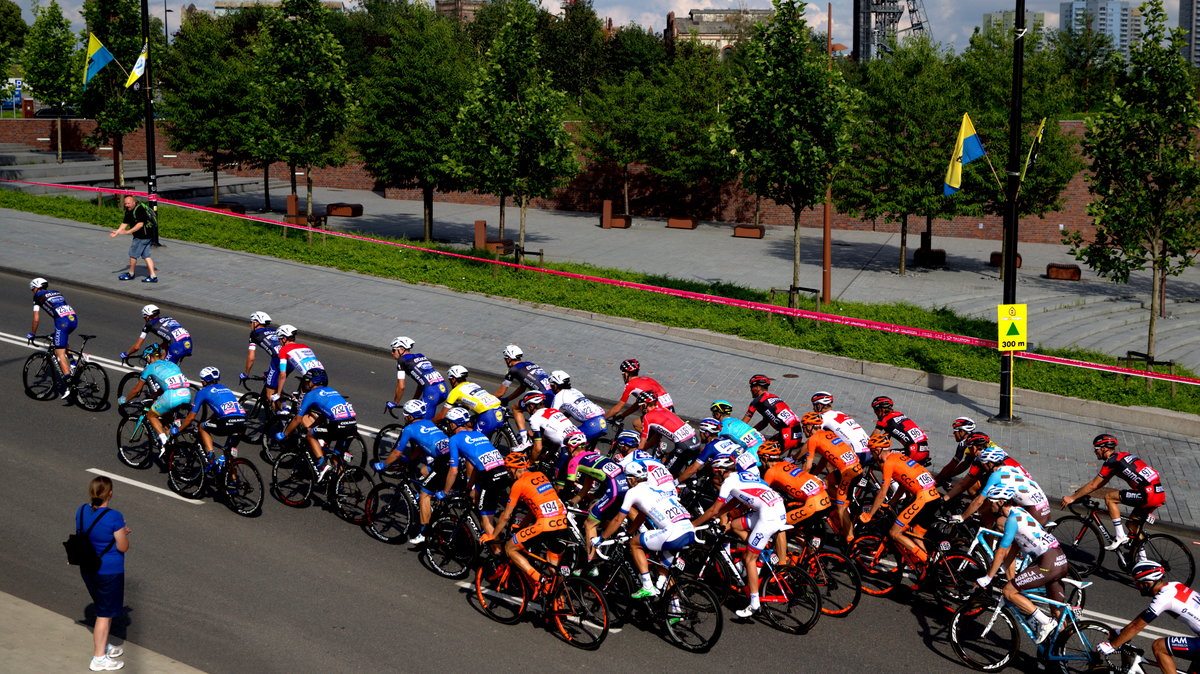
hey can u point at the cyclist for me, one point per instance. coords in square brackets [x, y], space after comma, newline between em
[768, 517]
[169, 386]
[292, 354]
[263, 336]
[846, 427]
[976, 475]
[547, 425]
[1048, 565]
[65, 322]
[484, 465]
[175, 338]
[529, 377]
[839, 462]
[904, 430]
[1145, 493]
[669, 527]
[774, 412]
[489, 413]
[589, 470]
[635, 384]
[806, 496]
[587, 415]
[960, 428]
[537, 493]
[716, 445]
[227, 419]
[625, 445]
[1169, 597]
[1026, 493]
[431, 387]
[660, 424]
[435, 445]
[735, 429]
[914, 481]
[326, 416]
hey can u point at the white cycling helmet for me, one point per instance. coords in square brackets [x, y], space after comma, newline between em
[457, 372]
[402, 343]
[415, 407]
[560, 378]
[38, 283]
[149, 311]
[210, 375]
[261, 317]
[723, 462]
[513, 352]
[1000, 492]
[458, 416]
[965, 424]
[636, 470]
[286, 330]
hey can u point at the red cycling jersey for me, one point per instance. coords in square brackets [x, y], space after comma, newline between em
[774, 410]
[905, 431]
[1133, 470]
[638, 384]
[666, 424]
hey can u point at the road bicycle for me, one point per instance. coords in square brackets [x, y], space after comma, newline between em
[575, 606]
[985, 633]
[137, 443]
[837, 577]
[294, 477]
[1084, 535]
[503, 438]
[43, 379]
[392, 507]
[949, 575]
[685, 612]
[259, 412]
[190, 472]
[452, 537]
[983, 548]
[1132, 661]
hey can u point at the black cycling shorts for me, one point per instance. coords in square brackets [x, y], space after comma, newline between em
[493, 490]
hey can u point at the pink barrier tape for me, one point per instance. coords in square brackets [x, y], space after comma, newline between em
[685, 294]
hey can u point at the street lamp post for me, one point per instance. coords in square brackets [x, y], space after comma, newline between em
[166, 29]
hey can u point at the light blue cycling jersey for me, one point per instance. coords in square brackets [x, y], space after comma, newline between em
[741, 433]
[163, 375]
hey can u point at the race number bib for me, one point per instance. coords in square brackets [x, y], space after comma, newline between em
[64, 311]
[925, 480]
[176, 381]
[491, 460]
[179, 334]
[550, 509]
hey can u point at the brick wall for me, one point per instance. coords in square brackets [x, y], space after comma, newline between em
[649, 197]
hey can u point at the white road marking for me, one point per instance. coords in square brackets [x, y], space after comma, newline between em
[1151, 631]
[157, 490]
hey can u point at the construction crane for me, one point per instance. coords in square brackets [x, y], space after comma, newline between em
[877, 22]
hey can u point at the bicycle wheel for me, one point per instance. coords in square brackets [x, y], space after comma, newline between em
[39, 377]
[1073, 594]
[1173, 555]
[354, 451]
[839, 582]
[580, 613]
[273, 448]
[1081, 543]
[91, 387]
[131, 407]
[257, 417]
[386, 440]
[136, 442]
[292, 479]
[449, 547]
[391, 514]
[954, 579]
[617, 586]
[349, 493]
[1074, 648]
[185, 470]
[984, 634]
[878, 562]
[692, 616]
[501, 594]
[790, 599]
[243, 487]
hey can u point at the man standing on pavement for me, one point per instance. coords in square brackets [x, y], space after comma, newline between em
[135, 224]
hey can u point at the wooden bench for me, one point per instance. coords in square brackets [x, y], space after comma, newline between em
[619, 222]
[997, 259]
[929, 257]
[501, 246]
[1063, 272]
[681, 223]
[344, 210]
[230, 207]
[749, 231]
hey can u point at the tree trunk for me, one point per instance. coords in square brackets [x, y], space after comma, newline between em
[118, 168]
[524, 202]
[757, 210]
[308, 200]
[58, 131]
[626, 189]
[1155, 277]
[216, 181]
[266, 188]
[793, 292]
[903, 242]
[292, 175]
[501, 228]
[427, 197]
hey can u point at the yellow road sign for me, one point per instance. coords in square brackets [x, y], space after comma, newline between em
[1012, 327]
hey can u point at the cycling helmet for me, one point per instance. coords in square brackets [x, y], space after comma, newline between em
[210, 375]
[152, 350]
[575, 441]
[149, 311]
[516, 460]
[723, 462]
[513, 352]
[286, 330]
[1105, 440]
[965, 424]
[261, 317]
[882, 402]
[415, 408]
[457, 372]
[822, 398]
[977, 440]
[812, 419]
[647, 398]
[458, 416]
[402, 343]
[636, 470]
[631, 365]
[1147, 570]
[532, 398]
[720, 407]
[771, 450]
[760, 380]
[40, 282]
[710, 426]
[560, 378]
[1000, 492]
[991, 455]
[317, 377]
[879, 441]
[628, 439]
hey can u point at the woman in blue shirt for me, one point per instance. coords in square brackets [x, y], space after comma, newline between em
[106, 585]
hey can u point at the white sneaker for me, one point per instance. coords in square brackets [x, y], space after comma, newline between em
[746, 612]
[1117, 542]
[105, 664]
[1044, 631]
[522, 446]
[324, 471]
[417, 540]
[114, 651]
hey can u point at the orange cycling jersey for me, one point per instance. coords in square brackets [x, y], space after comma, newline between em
[806, 492]
[833, 449]
[538, 494]
[909, 475]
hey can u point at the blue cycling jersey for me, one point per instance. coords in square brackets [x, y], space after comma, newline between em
[428, 437]
[220, 400]
[53, 303]
[531, 376]
[328, 403]
[166, 328]
[741, 433]
[417, 366]
[265, 338]
[476, 448]
[163, 375]
[721, 445]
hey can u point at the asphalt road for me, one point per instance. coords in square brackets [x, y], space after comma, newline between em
[302, 591]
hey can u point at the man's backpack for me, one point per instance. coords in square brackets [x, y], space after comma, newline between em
[147, 215]
[80, 551]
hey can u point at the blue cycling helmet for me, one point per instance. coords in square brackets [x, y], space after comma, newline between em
[152, 350]
[210, 375]
[628, 439]
[317, 377]
[992, 455]
[1000, 492]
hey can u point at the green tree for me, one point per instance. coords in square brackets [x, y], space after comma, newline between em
[509, 137]
[1145, 178]
[789, 118]
[51, 61]
[574, 52]
[417, 83]
[692, 88]
[303, 88]
[624, 126]
[1090, 63]
[258, 142]
[12, 27]
[911, 112]
[633, 48]
[117, 110]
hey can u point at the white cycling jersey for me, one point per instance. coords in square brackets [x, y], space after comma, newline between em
[658, 475]
[1029, 536]
[552, 425]
[1179, 599]
[749, 489]
[576, 405]
[661, 506]
[847, 429]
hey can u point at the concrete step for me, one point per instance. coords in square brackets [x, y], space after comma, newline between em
[184, 190]
[43, 157]
[51, 172]
[1082, 319]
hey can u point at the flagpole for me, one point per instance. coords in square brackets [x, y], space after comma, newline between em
[148, 88]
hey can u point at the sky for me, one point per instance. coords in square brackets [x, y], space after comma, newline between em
[950, 21]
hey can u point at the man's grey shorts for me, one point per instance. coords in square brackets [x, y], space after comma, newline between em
[139, 248]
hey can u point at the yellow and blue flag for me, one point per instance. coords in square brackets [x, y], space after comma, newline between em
[139, 67]
[967, 149]
[98, 56]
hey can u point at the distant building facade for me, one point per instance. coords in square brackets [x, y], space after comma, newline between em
[1006, 20]
[1189, 21]
[1120, 20]
[225, 7]
[717, 28]
[463, 10]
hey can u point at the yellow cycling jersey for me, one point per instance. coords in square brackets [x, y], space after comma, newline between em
[472, 396]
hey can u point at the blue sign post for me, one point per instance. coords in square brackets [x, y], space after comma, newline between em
[13, 102]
